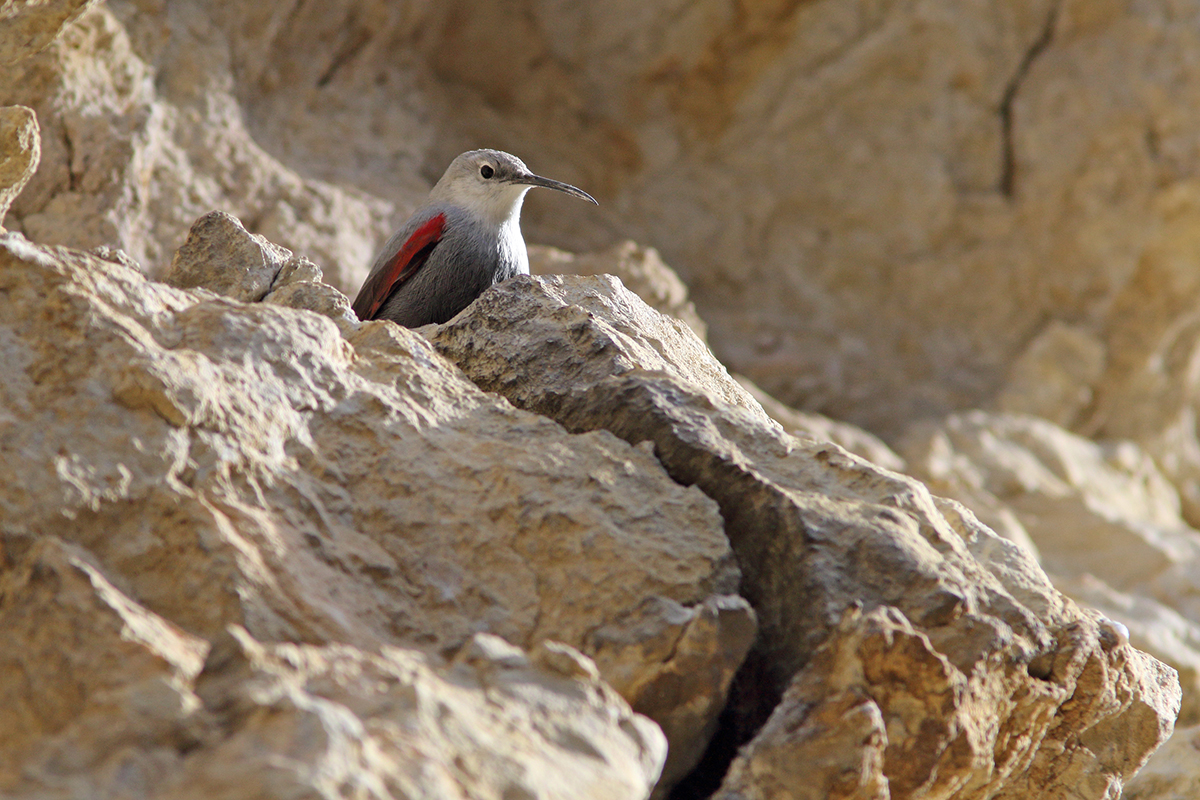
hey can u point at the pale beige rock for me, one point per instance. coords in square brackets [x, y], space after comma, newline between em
[872, 735]
[680, 652]
[1055, 375]
[222, 256]
[586, 328]
[87, 673]
[28, 26]
[888, 211]
[1149, 387]
[396, 723]
[1104, 520]
[640, 269]
[1173, 773]
[1152, 626]
[818, 531]
[881, 209]
[820, 428]
[20, 151]
[142, 134]
[1105, 509]
[105, 698]
[231, 463]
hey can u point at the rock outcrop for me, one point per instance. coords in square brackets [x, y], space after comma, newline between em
[968, 664]
[249, 544]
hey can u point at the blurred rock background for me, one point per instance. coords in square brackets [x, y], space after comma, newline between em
[959, 239]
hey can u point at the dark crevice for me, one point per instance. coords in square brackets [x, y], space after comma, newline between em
[349, 49]
[752, 697]
[72, 178]
[1008, 165]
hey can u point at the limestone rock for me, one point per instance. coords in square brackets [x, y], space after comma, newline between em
[1104, 520]
[885, 211]
[818, 531]
[1089, 507]
[106, 698]
[1173, 773]
[873, 734]
[142, 133]
[1055, 377]
[395, 722]
[222, 256]
[680, 653]
[1152, 625]
[256, 465]
[820, 428]
[587, 328]
[94, 675]
[29, 26]
[20, 151]
[641, 270]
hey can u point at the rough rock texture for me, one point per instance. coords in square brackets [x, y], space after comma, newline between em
[30, 25]
[585, 329]
[1103, 519]
[873, 736]
[884, 210]
[20, 151]
[136, 707]
[887, 213]
[225, 463]
[982, 681]
[640, 269]
[819, 428]
[142, 133]
[1174, 771]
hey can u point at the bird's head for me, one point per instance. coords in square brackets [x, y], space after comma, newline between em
[492, 184]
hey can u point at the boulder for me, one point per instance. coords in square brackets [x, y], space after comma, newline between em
[977, 677]
[252, 464]
[20, 151]
[106, 698]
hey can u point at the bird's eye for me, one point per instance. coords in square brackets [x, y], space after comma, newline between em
[486, 171]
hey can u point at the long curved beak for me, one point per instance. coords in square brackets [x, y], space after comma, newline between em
[538, 180]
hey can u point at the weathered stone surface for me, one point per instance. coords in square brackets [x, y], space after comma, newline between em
[887, 211]
[29, 27]
[1052, 692]
[1173, 773]
[226, 463]
[106, 699]
[586, 328]
[20, 151]
[820, 428]
[222, 256]
[884, 210]
[641, 269]
[1054, 377]
[1152, 625]
[93, 675]
[1103, 518]
[142, 133]
[680, 653]
[874, 734]
[1089, 507]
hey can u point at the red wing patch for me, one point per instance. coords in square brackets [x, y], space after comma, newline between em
[408, 259]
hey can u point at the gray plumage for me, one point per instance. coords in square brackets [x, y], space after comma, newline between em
[431, 269]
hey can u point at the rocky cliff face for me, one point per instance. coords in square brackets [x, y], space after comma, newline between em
[250, 546]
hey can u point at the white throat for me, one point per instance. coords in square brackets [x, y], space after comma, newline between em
[497, 205]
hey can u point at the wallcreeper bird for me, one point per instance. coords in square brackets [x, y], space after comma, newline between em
[465, 238]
